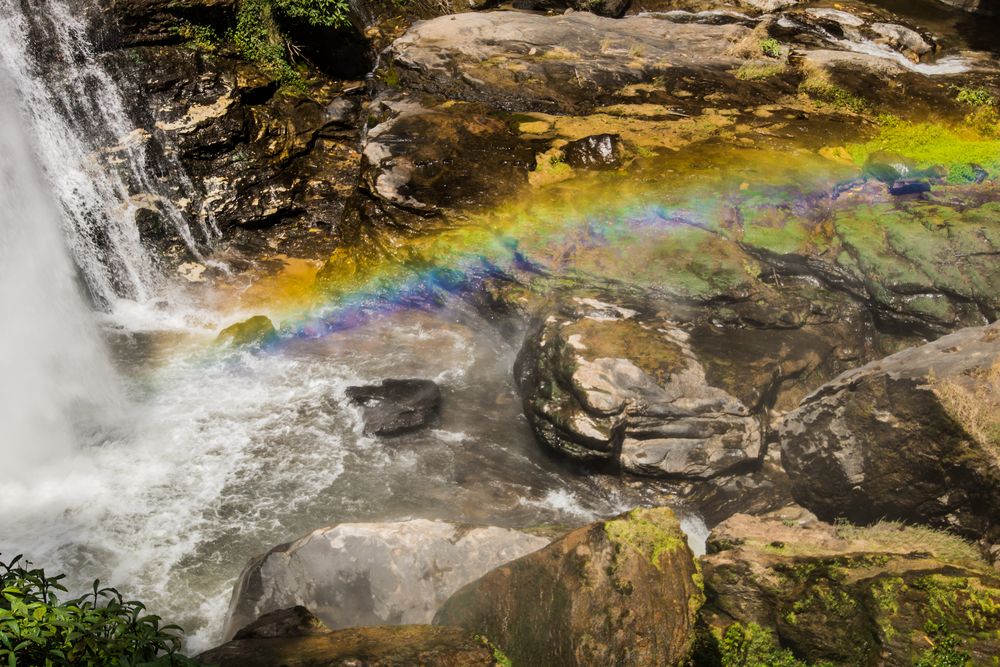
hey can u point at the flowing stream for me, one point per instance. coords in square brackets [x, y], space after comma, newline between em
[165, 476]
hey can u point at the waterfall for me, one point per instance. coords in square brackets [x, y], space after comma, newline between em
[94, 158]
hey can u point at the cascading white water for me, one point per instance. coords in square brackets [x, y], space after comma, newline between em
[54, 377]
[87, 147]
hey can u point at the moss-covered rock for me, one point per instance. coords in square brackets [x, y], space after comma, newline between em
[619, 592]
[843, 595]
[257, 330]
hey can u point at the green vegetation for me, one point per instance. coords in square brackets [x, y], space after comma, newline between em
[753, 646]
[770, 47]
[201, 37]
[945, 650]
[757, 71]
[975, 405]
[259, 38]
[933, 144]
[651, 533]
[975, 97]
[96, 630]
[499, 657]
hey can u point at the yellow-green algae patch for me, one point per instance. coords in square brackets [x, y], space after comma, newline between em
[933, 144]
[649, 532]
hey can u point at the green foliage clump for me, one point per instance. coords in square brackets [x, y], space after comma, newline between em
[945, 650]
[975, 97]
[754, 71]
[753, 646]
[258, 37]
[770, 47]
[95, 630]
[201, 37]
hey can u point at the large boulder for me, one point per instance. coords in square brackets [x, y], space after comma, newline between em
[843, 595]
[373, 573]
[520, 61]
[619, 592]
[295, 638]
[914, 436]
[604, 382]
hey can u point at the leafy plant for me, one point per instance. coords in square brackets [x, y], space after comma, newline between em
[753, 646]
[770, 47]
[975, 97]
[98, 629]
[201, 37]
[258, 36]
[945, 649]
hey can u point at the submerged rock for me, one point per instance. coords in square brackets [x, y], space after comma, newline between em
[914, 437]
[296, 638]
[397, 406]
[373, 573]
[846, 596]
[619, 592]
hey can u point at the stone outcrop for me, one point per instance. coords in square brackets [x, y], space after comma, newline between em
[397, 406]
[373, 573]
[913, 437]
[601, 381]
[619, 592]
[846, 596]
[295, 638]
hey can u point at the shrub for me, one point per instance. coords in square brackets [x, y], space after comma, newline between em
[753, 646]
[975, 97]
[770, 47]
[95, 630]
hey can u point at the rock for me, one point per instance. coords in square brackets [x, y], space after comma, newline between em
[985, 7]
[604, 382]
[373, 573]
[768, 5]
[457, 156]
[909, 186]
[397, 406]
[292, 622]
[888, 167]
[611, 8]
[846, 596]
[907, 41]
[598, 151]
[573, 62]
[386, 646]
[912, 437]
[257, 330]
[619, 592]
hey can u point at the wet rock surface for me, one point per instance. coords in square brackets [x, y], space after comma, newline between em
[397, 406]
[384, 646]
[618, 592]
[909, 437]
[373, 574]
[844, 595]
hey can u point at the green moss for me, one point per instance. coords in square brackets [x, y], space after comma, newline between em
[820, 88]
[649, 532]
[499, 657]
[931, 144]
[753, 646]
[945, 649]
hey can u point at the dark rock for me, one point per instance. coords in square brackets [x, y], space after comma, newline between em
[911, 437]
[847, 596]
[385, 646]
[909, 186]
[599, 151]
[612, 8]
[355, 574]
[619, 592]
[295, 621]
[888, 167]
[455, 156]
[397, 406]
